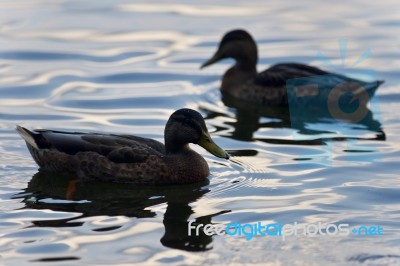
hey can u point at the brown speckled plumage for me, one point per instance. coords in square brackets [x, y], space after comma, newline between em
[269, 87]
[124, 158]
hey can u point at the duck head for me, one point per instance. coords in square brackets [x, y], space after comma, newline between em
[239, 45]
[187, 126]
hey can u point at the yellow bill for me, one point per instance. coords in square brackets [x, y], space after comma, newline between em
[207, 143]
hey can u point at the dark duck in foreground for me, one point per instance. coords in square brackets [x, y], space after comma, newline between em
[269, 87]
[125, 158]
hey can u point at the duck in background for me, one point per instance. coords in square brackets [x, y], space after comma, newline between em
[297, 95]
[268, 88]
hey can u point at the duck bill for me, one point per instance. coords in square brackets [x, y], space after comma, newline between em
[207, 143]
[212, 60]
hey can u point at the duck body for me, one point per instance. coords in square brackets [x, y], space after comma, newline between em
[270, 87]
[125, 158]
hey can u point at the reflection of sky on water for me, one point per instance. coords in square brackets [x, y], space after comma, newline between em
[125, 67]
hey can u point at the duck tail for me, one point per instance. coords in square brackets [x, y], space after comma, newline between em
[371, 87]
[28, 136]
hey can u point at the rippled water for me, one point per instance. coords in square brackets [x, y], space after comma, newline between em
[120, 66]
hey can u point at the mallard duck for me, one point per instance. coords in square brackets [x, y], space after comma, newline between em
[125, 158]
[269, 87]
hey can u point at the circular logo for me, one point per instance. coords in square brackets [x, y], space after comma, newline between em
[359, 94]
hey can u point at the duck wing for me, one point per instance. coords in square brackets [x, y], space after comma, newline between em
[154, 144]
[277, 75]
[117, 148]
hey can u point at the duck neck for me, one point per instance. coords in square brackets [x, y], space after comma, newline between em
[188, 166]
[175, 148]
[246, 58]
[236, 76]
[172, 141]
[246, 64]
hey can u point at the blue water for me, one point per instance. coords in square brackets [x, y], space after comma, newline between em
[124, 67]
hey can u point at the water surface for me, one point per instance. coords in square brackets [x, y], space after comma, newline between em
[124, 67]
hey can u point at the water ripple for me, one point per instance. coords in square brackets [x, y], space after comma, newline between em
[125, 67]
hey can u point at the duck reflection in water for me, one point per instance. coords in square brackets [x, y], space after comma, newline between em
[60, 192]
[297, 95]
[307, 122]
